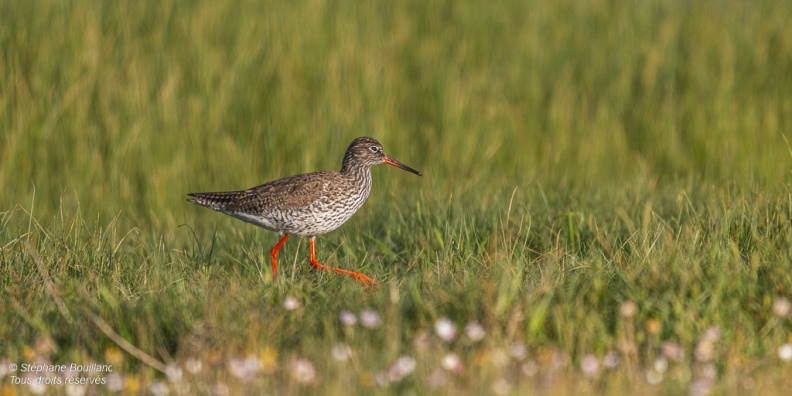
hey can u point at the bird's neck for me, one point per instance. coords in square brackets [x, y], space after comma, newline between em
[360, 174]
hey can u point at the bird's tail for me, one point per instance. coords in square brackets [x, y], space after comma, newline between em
[216, 200]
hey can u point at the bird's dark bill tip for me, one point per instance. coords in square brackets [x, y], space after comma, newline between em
[393, 162]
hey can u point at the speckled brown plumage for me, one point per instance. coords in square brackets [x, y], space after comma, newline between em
[310, 204]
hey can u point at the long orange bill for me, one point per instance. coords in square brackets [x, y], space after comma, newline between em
[391, 161]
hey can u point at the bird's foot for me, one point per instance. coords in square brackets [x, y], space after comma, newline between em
[362, 278]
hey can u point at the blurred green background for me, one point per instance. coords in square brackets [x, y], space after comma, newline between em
[124, 107]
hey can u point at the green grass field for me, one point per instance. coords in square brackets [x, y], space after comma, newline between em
[605, 206]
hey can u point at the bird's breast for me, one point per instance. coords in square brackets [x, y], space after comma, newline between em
[328, 212]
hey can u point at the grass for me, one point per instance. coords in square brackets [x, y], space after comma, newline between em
[606, 192]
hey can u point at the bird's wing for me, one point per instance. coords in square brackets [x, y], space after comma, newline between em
[288, 193]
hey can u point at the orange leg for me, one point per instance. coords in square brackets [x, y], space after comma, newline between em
[358, 276]
[274, 255]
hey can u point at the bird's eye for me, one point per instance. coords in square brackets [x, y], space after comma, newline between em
[374, 149]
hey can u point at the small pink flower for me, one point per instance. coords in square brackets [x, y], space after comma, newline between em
[341, 352]
[347, 318]
[452, 362]
[475, 331]
[420, 340]
[221, 389]
[437, 379]
[115, 382]
[781, 307]
[711, 334]
[159, 388]
[36, 387]
[243, 368]
[661, 365]
[590, 366]
[610, 360]
[628, 309]
[705, 349]
[402, 367]
[302, 370]
[653, 377]
[672, 350]
[518, 351]
[370, 319]
[785, 352]
[4, 363]
[530, 368]
[174, 373]
[700, 387]
[290, 303]
[76, 390]
[193, 365]
[501, 386]
[446, 330]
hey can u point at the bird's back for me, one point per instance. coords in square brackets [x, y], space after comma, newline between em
[304, 205]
